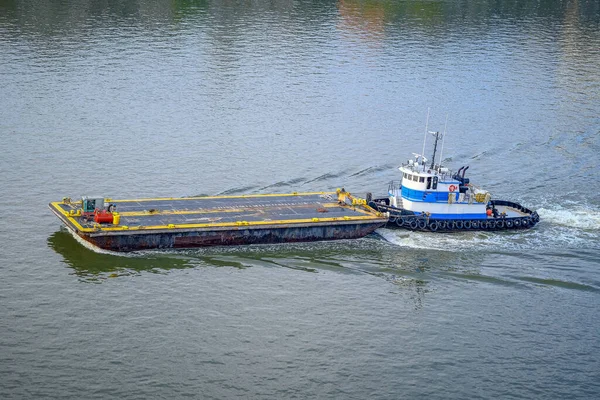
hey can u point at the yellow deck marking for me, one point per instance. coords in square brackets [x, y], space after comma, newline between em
[245, 196]
[256, 207]
[237, 224]
[180, 212]
[370, 215]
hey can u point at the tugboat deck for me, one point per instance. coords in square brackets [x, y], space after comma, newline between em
[510, 212]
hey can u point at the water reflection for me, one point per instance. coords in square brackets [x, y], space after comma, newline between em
[410, 271]
[369, 15]
[366, 19]
[95, 267]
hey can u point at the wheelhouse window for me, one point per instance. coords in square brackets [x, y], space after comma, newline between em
[421, 179]
[428, 182]
[415, 178]
[409, 177]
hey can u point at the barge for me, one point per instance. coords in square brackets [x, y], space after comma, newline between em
[430, 197]
[163, 223]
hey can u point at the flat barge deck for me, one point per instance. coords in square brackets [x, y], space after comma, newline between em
[128, 225]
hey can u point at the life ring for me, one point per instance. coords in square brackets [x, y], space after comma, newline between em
[414, 224]
[452, 188]
[422, 224]
[433, 226]
[468, 225]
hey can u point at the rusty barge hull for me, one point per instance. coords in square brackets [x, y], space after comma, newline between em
[225, 220]
[226, 237]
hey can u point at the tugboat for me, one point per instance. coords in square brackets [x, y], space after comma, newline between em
[433, 198]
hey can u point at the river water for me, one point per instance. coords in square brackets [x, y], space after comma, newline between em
[178, 98]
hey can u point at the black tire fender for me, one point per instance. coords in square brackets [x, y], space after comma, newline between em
[433, 226]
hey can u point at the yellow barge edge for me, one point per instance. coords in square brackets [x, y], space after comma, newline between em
[127, 225]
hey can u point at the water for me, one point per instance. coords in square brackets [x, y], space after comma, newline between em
[182, 98]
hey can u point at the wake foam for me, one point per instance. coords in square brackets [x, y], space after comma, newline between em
[581, 218]
[97, 249]
[559, 227]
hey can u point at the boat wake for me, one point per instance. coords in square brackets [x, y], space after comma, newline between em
[559, 227]
[580, 217]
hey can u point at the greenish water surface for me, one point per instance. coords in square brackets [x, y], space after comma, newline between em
[178, 98]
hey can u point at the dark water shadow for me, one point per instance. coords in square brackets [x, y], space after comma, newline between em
[558, 283]
[368, 256]
[410, 273]
[95, 267]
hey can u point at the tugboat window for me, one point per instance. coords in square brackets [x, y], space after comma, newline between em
[415, 178]
[409, 177]
[428, 182]
[421, 179]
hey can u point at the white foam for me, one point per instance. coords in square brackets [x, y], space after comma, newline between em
[542, 236]
[576, 217]
[572, 225]
[94, 248]
[455, 242]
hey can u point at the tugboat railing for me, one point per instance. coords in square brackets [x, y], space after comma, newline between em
[417, 168]
[394, 187]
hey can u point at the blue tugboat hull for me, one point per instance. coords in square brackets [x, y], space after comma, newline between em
[515, 216]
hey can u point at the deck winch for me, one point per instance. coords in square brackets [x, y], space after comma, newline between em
[102, 211]
[103, 217]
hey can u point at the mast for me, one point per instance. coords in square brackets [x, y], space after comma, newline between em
[425, 138]
[437, 137]
[443, 138]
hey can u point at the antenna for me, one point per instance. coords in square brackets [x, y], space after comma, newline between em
[437, 138]
[426, 125]
[443, 137]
